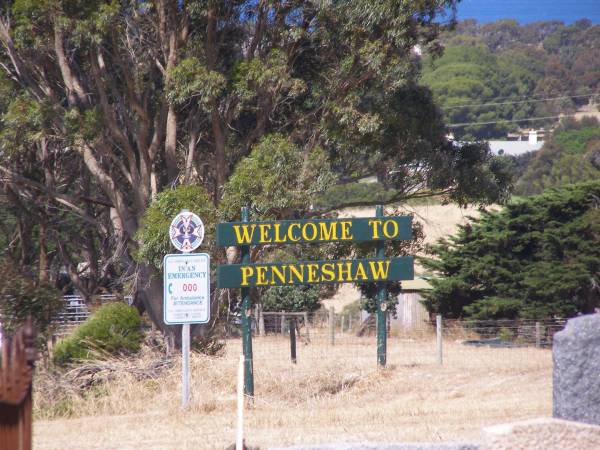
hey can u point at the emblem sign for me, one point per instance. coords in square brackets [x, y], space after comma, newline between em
[186, 232]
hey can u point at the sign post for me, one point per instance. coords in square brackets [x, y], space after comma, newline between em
[186, 285]
[381, 303]
[246, 328]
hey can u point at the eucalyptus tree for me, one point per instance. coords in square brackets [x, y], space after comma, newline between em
[148, 95]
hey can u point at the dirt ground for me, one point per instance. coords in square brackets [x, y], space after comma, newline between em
[333, 394]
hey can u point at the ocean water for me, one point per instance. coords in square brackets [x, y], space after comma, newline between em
[526, 11]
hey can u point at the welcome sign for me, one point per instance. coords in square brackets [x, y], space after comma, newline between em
[314, 231]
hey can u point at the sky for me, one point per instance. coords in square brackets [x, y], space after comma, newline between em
[526, 11]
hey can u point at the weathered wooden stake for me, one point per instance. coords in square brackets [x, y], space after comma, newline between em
[438, 327]
[292, 325]
[307, 333]
[282, 322]
[538, 334]
[332, 325]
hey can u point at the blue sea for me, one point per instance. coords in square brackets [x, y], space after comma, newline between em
[525, 11]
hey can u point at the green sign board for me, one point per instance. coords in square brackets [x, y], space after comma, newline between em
[317, 230]
[313, 272]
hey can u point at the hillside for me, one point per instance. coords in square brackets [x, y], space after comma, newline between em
[503, 74]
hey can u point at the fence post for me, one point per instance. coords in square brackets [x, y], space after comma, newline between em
[292, 325]
[306, 326]
[381, 303]
[438, 327]
[246, 330]
[282, 322]
[332, 325]
[350, 322]
[261, 322]
[538, 334]
[342, 323]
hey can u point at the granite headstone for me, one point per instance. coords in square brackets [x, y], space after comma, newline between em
[576, 354]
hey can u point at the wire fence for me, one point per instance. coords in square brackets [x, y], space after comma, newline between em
[305, 341]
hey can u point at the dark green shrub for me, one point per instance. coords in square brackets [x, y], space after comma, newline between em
[113, 329]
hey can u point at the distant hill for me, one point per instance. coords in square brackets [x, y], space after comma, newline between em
[493, 76]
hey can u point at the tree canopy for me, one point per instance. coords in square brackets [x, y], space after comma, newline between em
[570, 155]
[258, 103]
[539, 257]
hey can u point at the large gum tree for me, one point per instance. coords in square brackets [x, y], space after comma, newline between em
[112, 102]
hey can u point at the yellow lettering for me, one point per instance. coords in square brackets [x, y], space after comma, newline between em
[347, 271]
[327, 271]
[279, 273]
[278, 238]
[346, 236]
[386, 231]
[378, 270]
[360, 272]
[328, 230]
[374, 224]
[290, 235]
[247, 271]
[305, 233]
[312, 272]
[264, 232]
[261, 272]
[298, 273]
[244, 233]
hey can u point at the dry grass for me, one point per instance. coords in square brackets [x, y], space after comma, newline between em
[332, 394]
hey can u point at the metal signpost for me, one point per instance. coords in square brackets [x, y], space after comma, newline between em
[186, 285]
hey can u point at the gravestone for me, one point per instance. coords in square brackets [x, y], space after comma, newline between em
[576, 354]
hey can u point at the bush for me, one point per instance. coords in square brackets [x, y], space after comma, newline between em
[112, 330]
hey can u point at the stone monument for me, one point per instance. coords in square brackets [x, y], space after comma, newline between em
[576, 379]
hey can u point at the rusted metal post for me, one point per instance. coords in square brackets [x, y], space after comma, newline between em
[16, 372]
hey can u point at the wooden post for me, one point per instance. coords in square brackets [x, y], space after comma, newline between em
[292, 325]
[332, 325]
[282, 322]
[438, 327]
[350, 323]
[538, 334]
[261, 322]
[343, 322]
[306, 331]
[239, 440]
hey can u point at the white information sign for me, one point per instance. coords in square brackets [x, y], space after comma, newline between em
[186, 288]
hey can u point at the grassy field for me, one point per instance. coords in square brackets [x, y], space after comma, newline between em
[332, 394]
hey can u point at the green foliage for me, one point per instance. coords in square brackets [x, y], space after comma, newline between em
[291, 298]
[115, 328]
[276, 180]
[153, 236]
[565, 158]
[20, 298]
[192, 80]
[359, 193]
[538, 257]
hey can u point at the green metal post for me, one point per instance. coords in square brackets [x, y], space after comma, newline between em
[246, 329]
[381, 298]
